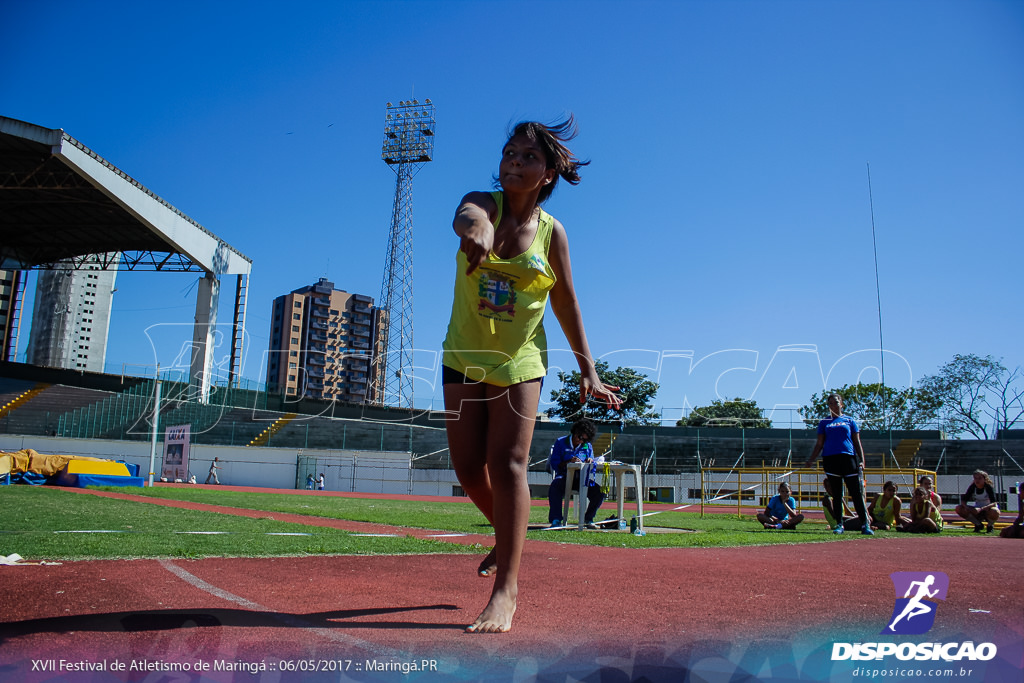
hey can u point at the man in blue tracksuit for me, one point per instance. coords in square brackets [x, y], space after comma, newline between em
[574, 447]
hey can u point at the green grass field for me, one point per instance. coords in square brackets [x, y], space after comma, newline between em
[43, 523]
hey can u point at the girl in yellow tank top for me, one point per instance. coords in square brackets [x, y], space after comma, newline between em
[512, 258]
[925, 518]
[496, 332]
[884, 510]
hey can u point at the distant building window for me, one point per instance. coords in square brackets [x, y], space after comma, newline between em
[295, 328]
[296, 316]
[298, 304]
[295, 340]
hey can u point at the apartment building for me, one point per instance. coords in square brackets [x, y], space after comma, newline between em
[11, 286]
[322, 344]
[71, 317]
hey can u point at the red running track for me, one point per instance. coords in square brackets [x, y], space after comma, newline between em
[732, 614]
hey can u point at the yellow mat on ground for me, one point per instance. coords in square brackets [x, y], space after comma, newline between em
[105, 467]
[28, 460]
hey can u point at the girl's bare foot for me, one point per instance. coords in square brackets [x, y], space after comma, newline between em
[497, 616]
[489, 565]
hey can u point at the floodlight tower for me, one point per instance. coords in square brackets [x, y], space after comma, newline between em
[408, 144]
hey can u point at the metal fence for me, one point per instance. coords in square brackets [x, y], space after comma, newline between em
[357, 472]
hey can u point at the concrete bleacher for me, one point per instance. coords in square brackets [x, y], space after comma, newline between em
[326, 433]
[14, 393]
[12, 388]
[235, 417]
[41, 415]
[118, 415]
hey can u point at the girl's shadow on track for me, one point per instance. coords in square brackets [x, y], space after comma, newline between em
[171, 619]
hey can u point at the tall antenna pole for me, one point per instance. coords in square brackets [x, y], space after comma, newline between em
[408, 144]
[878, 297]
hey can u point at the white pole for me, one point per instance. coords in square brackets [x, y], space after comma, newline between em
[156, 417]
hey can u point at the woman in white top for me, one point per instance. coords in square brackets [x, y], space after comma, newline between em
[978, 503]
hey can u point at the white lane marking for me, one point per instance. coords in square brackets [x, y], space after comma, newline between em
[446, 535]
[289, 619]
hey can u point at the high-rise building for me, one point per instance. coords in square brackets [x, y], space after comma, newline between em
[71, 317]
[322, 342]
[11, 288]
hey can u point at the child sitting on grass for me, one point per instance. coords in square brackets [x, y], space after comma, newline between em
[884, 511]
[924, 516]
[781, 511]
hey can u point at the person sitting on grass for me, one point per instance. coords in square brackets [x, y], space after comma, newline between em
[781, 511]
[884, 511]
[924, 516]
[978, 503]
[925, 482]
[850, 521]
[1016, 529]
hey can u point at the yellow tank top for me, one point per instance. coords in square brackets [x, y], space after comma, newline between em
[935, 514]
[888, 513]
[496, 332]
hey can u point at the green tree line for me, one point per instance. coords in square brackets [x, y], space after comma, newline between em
[971, 394]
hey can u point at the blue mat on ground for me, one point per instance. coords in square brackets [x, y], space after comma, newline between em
[31, 478]
[83, 480]
[133, 469]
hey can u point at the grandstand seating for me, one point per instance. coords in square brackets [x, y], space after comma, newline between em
[42, 414]
[12, 388]
[19, 396]
[111, 407]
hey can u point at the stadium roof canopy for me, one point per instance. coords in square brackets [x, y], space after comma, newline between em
[60, 202]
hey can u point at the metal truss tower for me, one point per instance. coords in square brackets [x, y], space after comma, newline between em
[408, 144]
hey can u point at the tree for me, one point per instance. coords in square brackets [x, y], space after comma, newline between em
[901, 409]
[976, 392]
[1011, 401]
[636, 391]
[735, 413]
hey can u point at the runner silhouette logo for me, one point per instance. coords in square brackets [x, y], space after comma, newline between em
[917, 594]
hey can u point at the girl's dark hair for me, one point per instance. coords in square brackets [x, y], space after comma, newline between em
[551, 138]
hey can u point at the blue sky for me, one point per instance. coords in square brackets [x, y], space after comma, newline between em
[721, 238]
